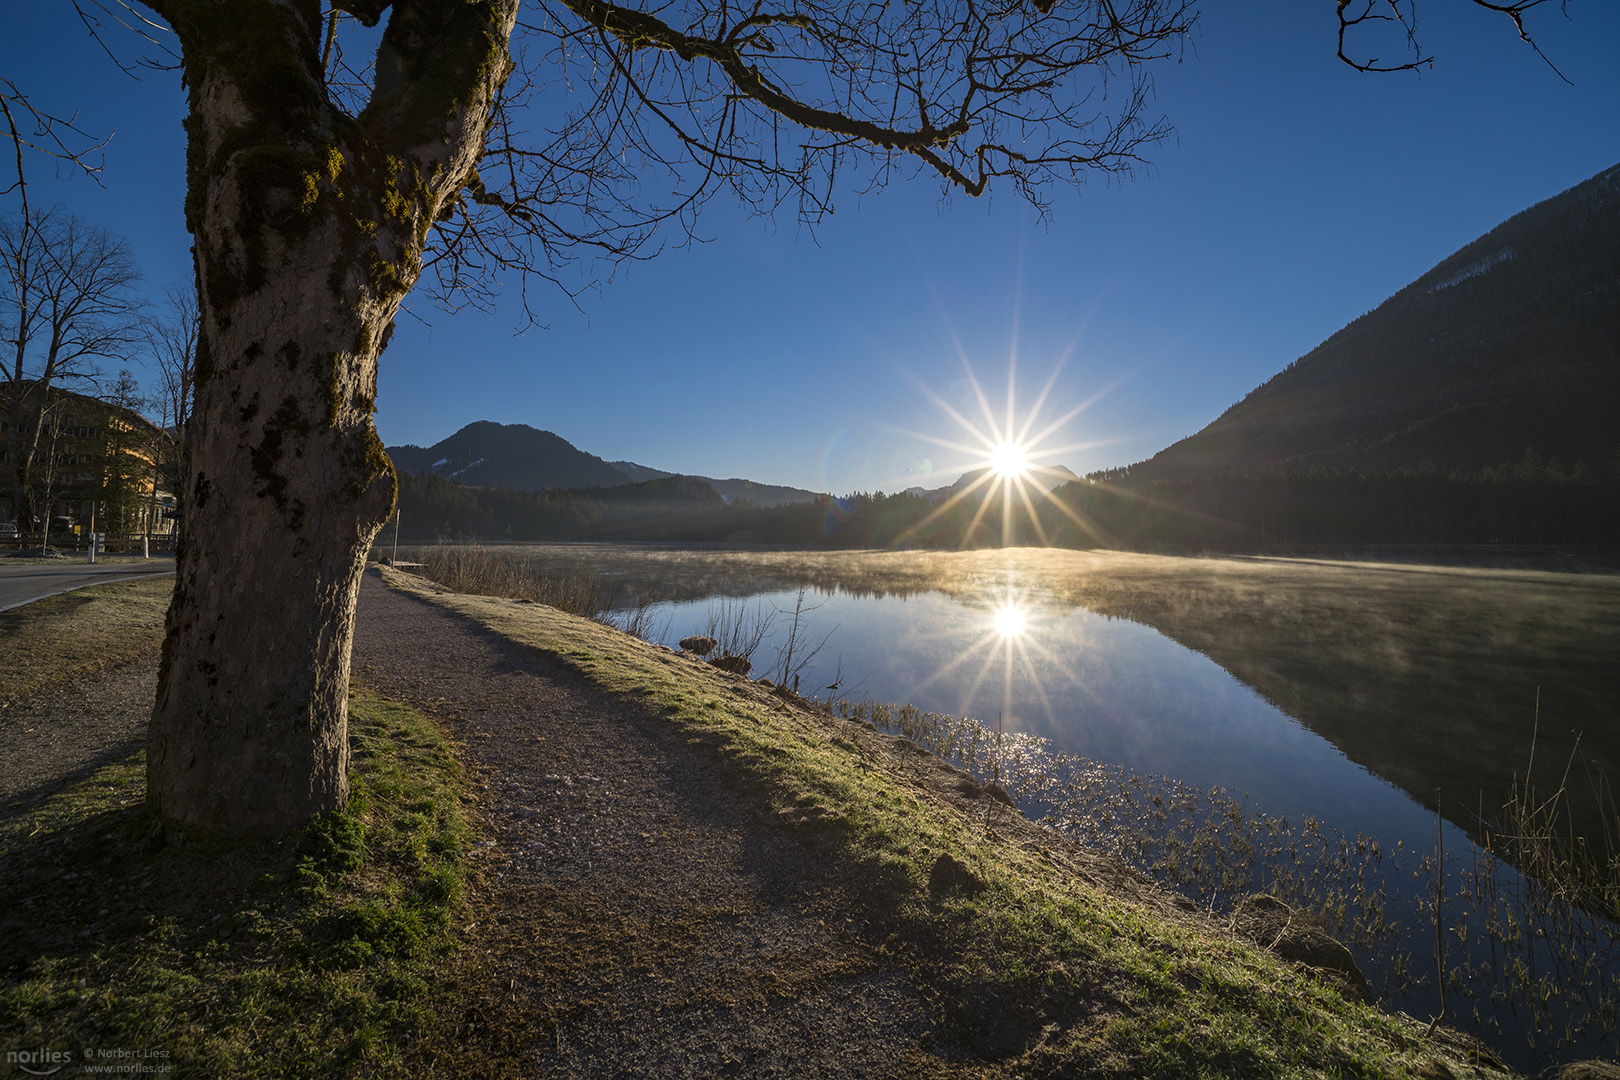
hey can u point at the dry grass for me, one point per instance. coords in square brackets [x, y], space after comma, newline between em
[480, 571]
[65, 637]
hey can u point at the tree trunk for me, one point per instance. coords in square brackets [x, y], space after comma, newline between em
[309, 227]
[287, 485]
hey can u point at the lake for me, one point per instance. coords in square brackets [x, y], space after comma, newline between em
[1363, 696]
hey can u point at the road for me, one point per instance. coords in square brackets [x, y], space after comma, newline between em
[24, 584]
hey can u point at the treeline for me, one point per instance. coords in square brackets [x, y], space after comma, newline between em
[432, 507]
[1534, 502]
[1247, 511]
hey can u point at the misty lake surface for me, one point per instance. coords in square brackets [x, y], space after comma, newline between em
[1354, 692]
[1106, 688]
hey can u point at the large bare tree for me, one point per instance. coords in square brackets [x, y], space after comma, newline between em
[316, 201]
[482, 139]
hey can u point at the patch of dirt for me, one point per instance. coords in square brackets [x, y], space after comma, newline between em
[55, 737]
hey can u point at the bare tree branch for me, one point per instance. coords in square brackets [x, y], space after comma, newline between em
[1366, 16]
[49, 135]
[773, 105]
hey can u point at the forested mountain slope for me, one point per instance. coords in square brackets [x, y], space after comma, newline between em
[1510, 344]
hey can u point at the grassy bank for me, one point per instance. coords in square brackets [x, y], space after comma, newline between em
[1036, 970]
[323, 954]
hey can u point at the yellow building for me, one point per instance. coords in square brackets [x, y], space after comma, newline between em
[93, 462]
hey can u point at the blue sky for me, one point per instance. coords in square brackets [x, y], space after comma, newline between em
[1295, 195]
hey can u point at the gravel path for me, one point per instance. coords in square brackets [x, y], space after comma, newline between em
[59, 736]
[648, 922]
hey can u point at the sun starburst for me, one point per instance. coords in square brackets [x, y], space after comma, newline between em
[1009, 459]
[1004, 649]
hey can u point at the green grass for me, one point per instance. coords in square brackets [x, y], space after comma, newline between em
[322, 954]
[1036, 971]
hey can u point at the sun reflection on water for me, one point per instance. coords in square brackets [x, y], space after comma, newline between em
[1010, 620]
[1002, 658]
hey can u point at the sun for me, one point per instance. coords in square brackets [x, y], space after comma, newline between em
[1008, 474]
[1010, 460]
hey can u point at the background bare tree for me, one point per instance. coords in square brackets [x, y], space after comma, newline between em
[48, 474]
[33, 129]
[123, 445]
[67, 302]
[171, 343]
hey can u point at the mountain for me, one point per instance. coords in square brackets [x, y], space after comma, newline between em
[639, 473]
[761, 494]
[730, 490]
[662, 495]
[487, 454]
[1511, 344]
[517, 456]
[1043, 477]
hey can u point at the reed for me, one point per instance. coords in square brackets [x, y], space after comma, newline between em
[739, 628]
[482, 571]
[1546, 903]
[1529, 930]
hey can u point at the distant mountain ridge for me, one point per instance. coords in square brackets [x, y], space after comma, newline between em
[517, 456]
[1511, 343]
[487, 454]
[1042, 477]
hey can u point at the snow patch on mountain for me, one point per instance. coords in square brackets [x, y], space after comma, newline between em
[1474, 269]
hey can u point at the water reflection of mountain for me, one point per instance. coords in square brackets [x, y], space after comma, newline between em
[1428, 677]
[1434, 678]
